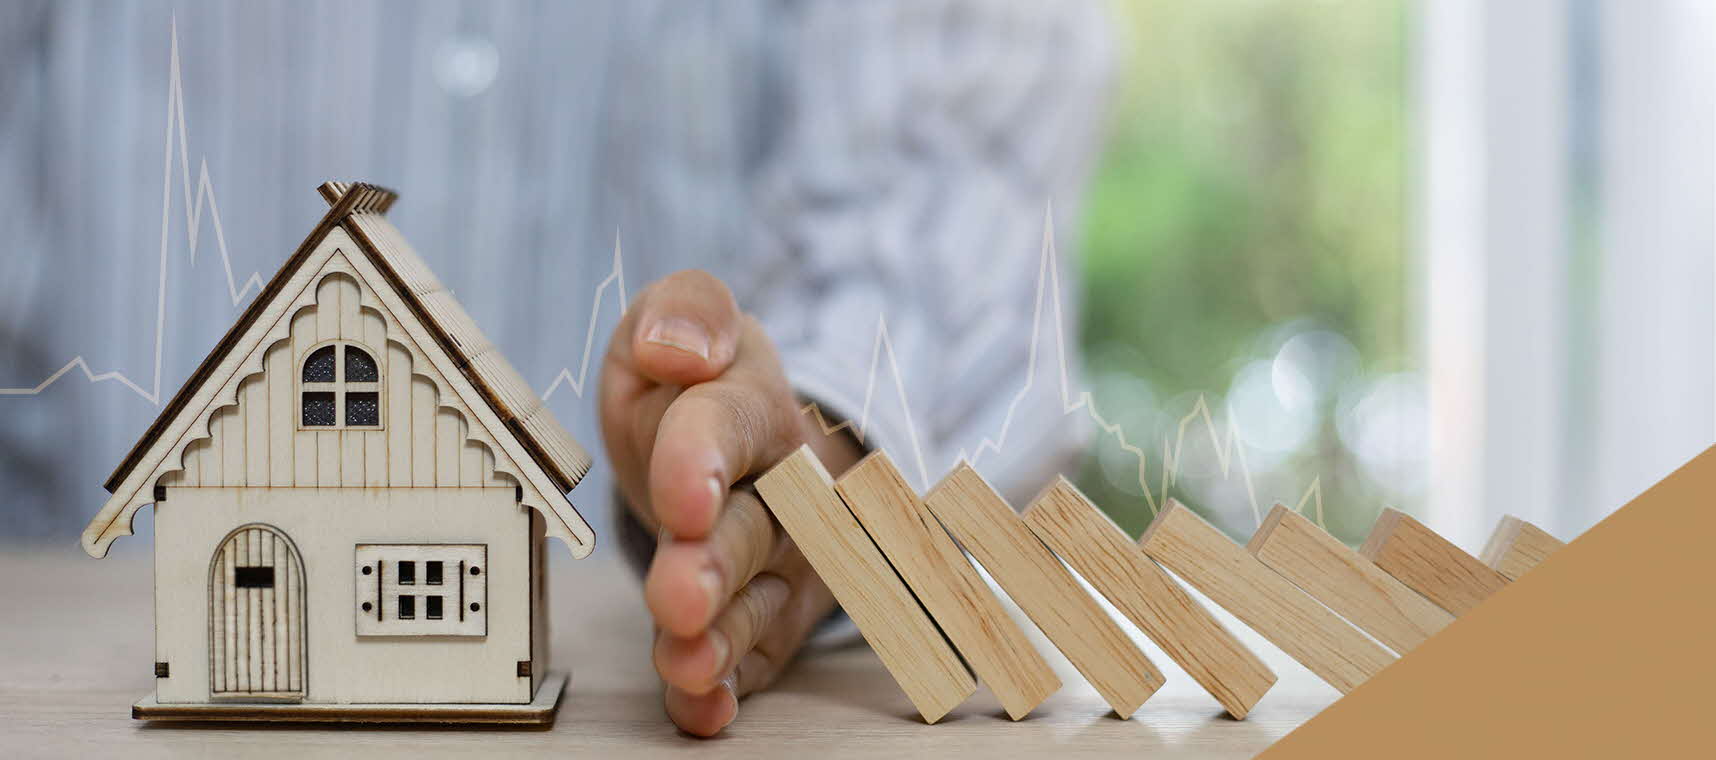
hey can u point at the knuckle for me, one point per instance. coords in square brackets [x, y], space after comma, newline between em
[746, 536]
[759, 603]
[749, 420]
[754, 612]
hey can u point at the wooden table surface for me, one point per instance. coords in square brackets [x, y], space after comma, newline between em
[76, 652]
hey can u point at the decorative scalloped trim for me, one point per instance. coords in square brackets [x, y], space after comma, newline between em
[228, 397]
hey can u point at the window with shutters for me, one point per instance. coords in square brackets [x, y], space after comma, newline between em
[421, 589]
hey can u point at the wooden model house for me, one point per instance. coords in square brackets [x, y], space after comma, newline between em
[352, 498]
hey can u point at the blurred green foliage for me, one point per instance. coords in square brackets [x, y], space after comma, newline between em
[1253, 178]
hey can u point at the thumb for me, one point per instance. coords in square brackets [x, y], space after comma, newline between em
[686, 330]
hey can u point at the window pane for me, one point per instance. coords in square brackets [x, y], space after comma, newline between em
[432, 572]
[319, 408]
[363, 408]
[407, 573]
[319, 368]
[360, 368]
[432, 607]
[407, 606]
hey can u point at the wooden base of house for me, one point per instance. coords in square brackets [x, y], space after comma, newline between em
[539, 712]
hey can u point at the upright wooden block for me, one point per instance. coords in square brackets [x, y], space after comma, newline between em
[1100, 551]
[1304, 629]
[949, 587]
[1347, 583]
[1518, 546]
[1429, 564]
[801, 495]
[1044, 589]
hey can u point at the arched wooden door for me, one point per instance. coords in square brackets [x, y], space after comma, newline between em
[256, 616]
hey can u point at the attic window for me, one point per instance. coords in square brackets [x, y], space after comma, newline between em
[319, 368]
[359, 367]
[341, 388]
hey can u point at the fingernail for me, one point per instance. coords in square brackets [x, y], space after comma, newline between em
[717, 494]
[729, 685]
[683, 334]
[710, 581]
[718, 642]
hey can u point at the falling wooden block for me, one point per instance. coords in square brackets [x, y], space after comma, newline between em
[1429, 564]
[1226, 573]
[949, 587]
[1044, 589]
[1347, 583]
[1518, 546]
[801, 495]
[1101, 552]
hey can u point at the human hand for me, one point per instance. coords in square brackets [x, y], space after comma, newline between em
[693, 399]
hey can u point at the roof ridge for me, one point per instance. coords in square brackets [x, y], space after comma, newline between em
[371, 198]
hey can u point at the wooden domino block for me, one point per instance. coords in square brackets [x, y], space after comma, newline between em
[1518, 546]
[1347, 583]
[1101, 552]
[1226, 573]
[947, 585]
[1044, 589]
[801, 495]
[1429, 564]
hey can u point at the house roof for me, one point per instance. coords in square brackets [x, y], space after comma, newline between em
[359, 208]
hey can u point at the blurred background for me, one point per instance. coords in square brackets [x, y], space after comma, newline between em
[1454, 257]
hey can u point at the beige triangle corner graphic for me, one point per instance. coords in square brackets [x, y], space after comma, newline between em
[1607, 649]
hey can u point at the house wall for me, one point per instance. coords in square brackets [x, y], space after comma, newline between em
[326, 524]
[423, 477]
[539, 592]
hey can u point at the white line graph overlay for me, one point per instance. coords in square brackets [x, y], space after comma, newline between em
[1228, 450]
[193, 222]
[616, 278]
[1224, 442]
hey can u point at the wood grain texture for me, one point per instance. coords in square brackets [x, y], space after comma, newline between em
[1429, 564]
[1101, 552]
[72, 667]
[1352, 586]
[801, 495]
[949, 587]
[1518, 546]
[1322, 642]
[1044, 589]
